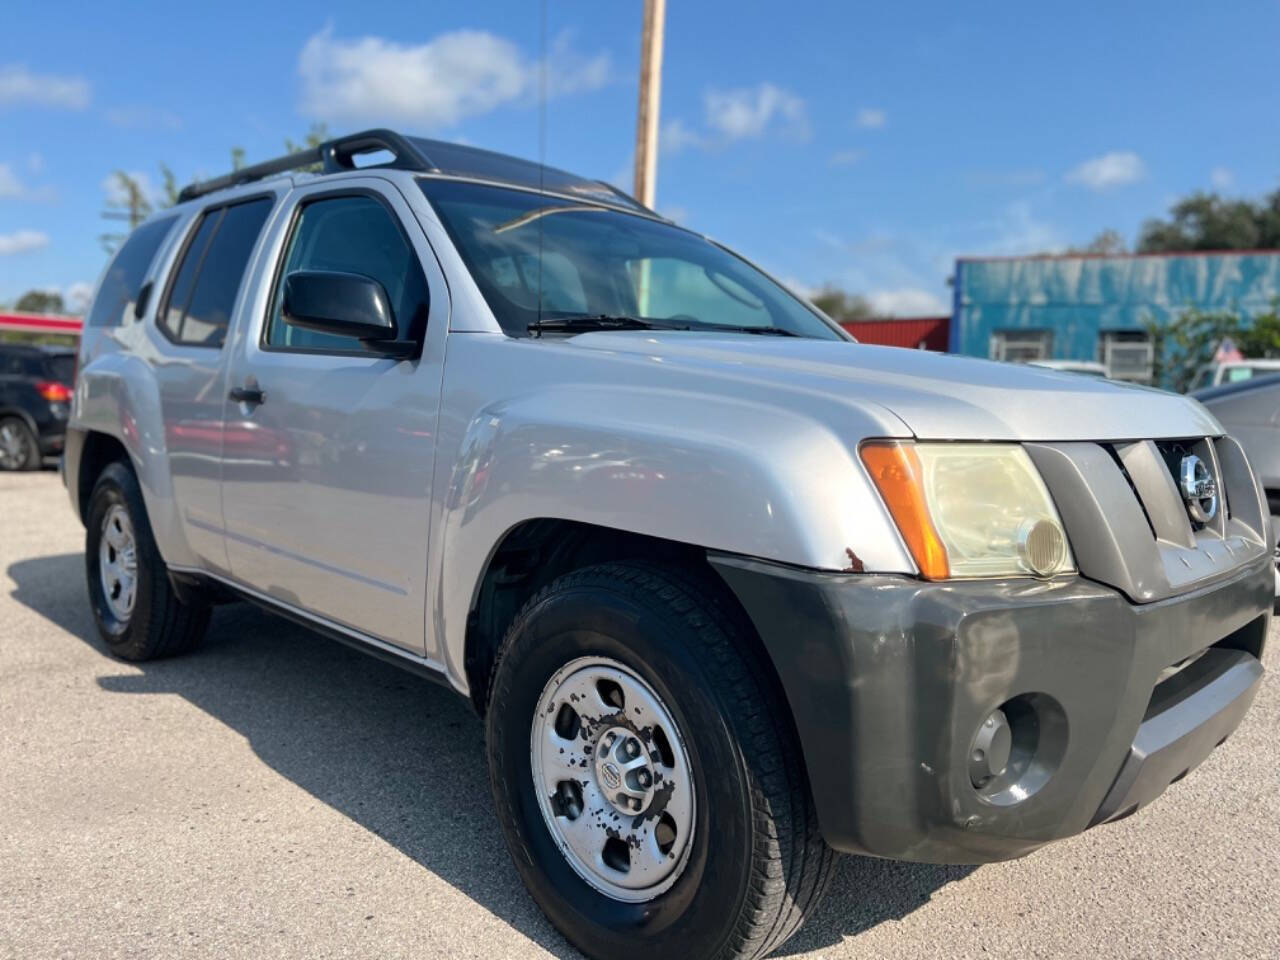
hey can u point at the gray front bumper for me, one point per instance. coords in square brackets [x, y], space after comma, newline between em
[889, 678]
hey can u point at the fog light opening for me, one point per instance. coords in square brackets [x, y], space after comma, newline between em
[1017, 748]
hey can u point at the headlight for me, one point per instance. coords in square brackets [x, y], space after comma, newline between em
[970, 509]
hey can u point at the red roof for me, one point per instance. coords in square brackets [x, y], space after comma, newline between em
[931, 332]
[41, 323]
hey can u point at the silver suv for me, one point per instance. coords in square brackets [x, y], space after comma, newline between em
[730, 591]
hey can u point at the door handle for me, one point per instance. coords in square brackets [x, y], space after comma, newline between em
[250, 395]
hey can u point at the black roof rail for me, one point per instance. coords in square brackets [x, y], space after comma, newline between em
[423, 156]
[333, 156]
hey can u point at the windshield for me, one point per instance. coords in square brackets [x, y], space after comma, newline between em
[537, 257]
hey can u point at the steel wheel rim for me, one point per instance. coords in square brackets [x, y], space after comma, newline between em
[13, 449]
[118, 563]
[616, 783]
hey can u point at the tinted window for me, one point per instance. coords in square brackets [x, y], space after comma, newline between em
[11, 364]
[61, 367]
[208, 280]
[120, 284]
[352, 234]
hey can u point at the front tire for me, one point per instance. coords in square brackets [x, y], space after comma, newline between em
[626, 652]
[138, 614]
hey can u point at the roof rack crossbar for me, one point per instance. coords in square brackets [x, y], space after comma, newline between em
[332, 156]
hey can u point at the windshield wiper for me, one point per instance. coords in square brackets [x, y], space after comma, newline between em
[734, 328]
[601, 321]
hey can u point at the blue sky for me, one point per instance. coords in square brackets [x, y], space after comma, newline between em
[864, 145]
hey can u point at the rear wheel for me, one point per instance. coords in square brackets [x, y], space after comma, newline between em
[138, 614]
[19, 449]
[646, 773]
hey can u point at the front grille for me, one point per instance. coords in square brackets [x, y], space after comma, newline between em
[1129, 525]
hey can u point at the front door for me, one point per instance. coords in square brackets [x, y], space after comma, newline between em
[328, 448]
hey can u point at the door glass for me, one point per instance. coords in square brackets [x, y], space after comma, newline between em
[208, 282]
[351, 234]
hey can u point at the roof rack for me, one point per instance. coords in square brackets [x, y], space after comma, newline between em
[424, 156]
[333, 156]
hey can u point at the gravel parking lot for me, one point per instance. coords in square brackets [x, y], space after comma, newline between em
[278, 795]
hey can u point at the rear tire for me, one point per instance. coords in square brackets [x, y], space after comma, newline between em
[19, 448]
[756, 864]
[138, 614]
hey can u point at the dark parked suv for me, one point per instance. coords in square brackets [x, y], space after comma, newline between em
[35, 395]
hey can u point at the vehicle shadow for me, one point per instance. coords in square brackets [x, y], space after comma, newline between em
[398, 755]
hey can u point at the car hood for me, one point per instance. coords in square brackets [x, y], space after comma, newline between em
[938, 396]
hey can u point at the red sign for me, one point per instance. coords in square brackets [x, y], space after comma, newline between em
[40, 323]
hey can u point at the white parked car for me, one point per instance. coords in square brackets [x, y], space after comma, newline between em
[1233, 371]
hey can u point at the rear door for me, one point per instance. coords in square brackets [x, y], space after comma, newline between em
[203, 292]
[326, 482]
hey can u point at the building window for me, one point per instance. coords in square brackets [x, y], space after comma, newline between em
[1127, 354]
[1021, 346]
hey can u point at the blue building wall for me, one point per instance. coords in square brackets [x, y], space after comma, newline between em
[1077, 297]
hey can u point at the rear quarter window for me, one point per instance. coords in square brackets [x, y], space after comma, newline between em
[203, 293]
[118, 291]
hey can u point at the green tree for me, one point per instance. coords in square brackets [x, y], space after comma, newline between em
[1107, 242]
[1190, 341]
[40, 301]
[134, 205]
[842, 306]
[1261, 336]
[1205, 221]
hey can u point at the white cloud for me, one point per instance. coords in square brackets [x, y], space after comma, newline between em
[1221, 178]
[1115, 169]
[18, 85]
[907, 302]
[805, 291]
[22, 241]
[434, 84]
[13, 187]
[749, 112]
[143, 118]
[676, 136]
[871, 118]
[9, 184]
[744, 113]
[76, 297]
[845, 158]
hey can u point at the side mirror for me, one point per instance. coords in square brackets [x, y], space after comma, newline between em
[345, 305]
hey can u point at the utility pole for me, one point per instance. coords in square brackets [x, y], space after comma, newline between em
[655, 14]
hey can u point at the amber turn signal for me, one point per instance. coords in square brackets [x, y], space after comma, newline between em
[895, 469]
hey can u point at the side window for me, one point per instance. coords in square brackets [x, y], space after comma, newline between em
[208, 279]
[351, 234]
[120, 284]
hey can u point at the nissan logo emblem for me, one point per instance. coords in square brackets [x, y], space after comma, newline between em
[1199, 490]
[612, 776]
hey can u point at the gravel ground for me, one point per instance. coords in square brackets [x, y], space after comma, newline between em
[278, 795]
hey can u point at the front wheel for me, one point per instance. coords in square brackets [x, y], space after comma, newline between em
[645, 770]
